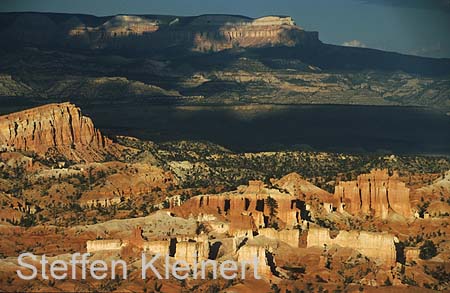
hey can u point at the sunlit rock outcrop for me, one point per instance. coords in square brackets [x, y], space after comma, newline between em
[290, 237]
[103, 245]
[55, 130]
[249, 253]
[374, 194]
[249, 201]
[379, 246]
[142, 32]
[192, 252]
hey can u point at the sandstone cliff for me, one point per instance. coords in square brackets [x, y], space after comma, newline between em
[103, 245]
[291, 237]
[375, 194]
[192, 252]
[249, 252]
[379, 246]
[144, 32]
[55, 130]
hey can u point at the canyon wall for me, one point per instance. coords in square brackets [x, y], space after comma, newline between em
[157, 247]
[198, 33]
[375, 194]
[290, 237]
[248, 253]
[192, 252]
[379, 246]
[55, 130]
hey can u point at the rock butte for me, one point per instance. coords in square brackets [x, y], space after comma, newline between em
[55, 129]
[198, 33]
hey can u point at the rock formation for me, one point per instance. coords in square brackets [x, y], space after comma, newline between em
[161, 247]
[192, 252]
[248, 253]
[126, 181]
[298, 186]
[290, 237]
[103, 245]
[248, 201]
[379, 246]
[304, 190]
[55, 130]
[198, 33]
[374, 194]
[411, 254]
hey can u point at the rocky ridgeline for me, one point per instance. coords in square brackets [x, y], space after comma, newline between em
[199, 33]
[55, 130]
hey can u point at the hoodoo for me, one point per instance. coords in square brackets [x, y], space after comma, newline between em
[376, 193]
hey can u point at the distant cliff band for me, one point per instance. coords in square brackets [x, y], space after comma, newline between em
[200, 33]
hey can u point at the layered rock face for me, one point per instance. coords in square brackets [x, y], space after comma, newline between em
[247, 208]
[379, 246]
[55, 129]
[290, 237]
[216, 33]
[103, 245]
[375, 193]
[248, 254]
[161, 247]
[192, 252]
[199, 33]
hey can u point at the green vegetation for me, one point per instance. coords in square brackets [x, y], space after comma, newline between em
[428, 250]
[213, 165]
[273, 207]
